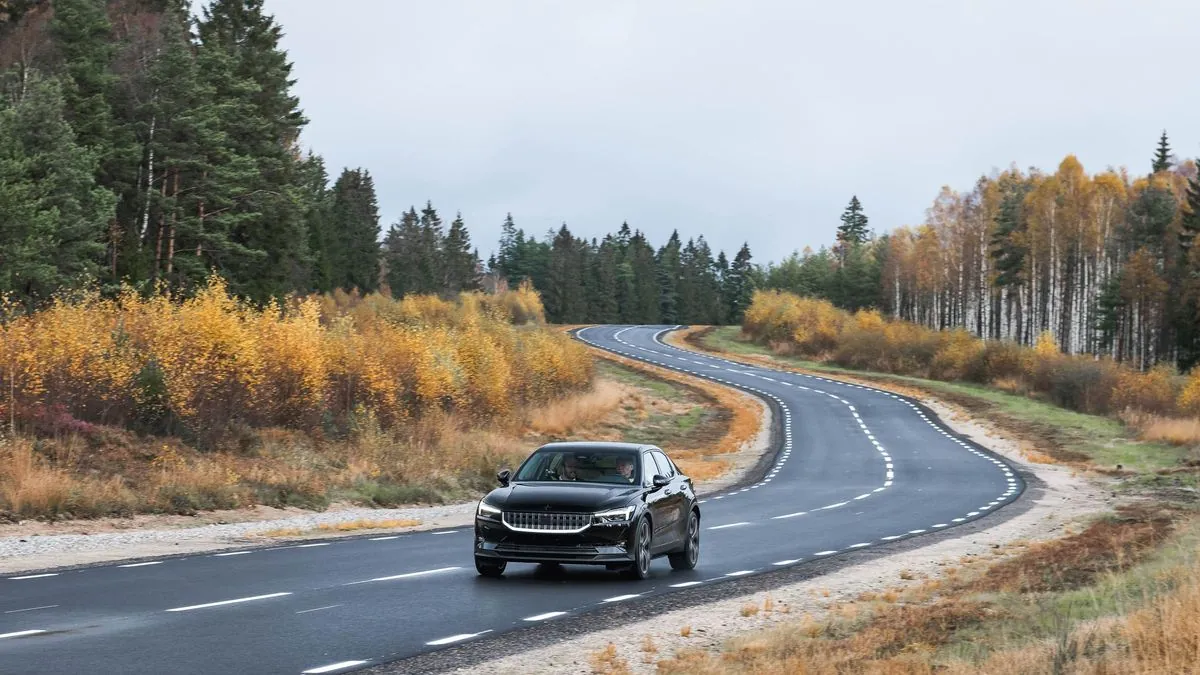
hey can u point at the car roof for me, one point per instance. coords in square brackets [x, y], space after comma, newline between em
[596, 445]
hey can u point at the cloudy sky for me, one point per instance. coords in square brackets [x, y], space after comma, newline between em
[742, 120]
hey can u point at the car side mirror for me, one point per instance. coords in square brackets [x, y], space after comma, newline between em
[661, 481]
[504, 477]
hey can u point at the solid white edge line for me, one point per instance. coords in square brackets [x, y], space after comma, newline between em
[145, 564]
[227, 602]
[20, 633]
[33, 576]
[543, 617]
[334, 666]
[456, 638]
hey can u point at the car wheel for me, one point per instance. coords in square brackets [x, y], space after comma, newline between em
[642, 541]
[686, 559]
[490, 568]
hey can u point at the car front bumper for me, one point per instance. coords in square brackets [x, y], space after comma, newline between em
[597, 545]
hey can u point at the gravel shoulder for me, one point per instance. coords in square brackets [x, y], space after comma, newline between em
[36, 546]
[1060, 499]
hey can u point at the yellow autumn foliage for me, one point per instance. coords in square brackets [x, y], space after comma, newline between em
[814, 328]
[210, 362]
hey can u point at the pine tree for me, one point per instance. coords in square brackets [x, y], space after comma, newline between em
[722, 273]
[323, 243]
[402, 252]
[460, 262]
[270, 210]
[645, 298]
[853, 230]
[707, 286]
[565, 296]
[669, 272]
[602, 304]
[83, 37]
[1162, 156]
[739, 285]
[355, 224]
[430, 264]
[52, 214]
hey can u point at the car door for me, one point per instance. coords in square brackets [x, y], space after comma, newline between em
[674, 498]
[656, 503]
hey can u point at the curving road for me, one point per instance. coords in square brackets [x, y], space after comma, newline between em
[853, 468]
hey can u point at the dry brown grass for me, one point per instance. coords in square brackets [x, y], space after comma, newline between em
[111, 472]
[686, 631]
[607, 662]
[1107, 545]
[1181, 431]
[350, 526]
[566, 415]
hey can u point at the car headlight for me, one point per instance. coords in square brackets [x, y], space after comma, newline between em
[614, 516]
[486, 510]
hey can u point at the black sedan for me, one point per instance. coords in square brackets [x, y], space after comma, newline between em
[613, 504]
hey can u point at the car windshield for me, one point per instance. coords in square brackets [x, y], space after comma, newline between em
[592, 466]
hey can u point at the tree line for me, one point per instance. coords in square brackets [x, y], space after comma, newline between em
[1105, 263]
[622, 278]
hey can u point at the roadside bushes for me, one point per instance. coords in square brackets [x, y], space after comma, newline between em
[208, 364]
[816, 329]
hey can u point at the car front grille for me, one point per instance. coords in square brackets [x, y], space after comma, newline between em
[539, 521]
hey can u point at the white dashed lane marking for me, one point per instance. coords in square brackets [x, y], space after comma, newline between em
[20, 633]
[543, 617]
[456, 638]
[228, 602]
[334, 667]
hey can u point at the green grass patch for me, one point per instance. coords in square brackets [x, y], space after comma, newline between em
[636, 378]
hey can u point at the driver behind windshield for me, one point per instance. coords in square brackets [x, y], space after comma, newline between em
[570, 470]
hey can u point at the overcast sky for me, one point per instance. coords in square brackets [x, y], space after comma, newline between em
[742, 120]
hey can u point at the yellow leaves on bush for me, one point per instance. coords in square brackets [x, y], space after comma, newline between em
[1151, 391]
[816, 329]
[212, 362]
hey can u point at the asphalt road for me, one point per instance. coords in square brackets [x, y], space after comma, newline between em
[854, 468]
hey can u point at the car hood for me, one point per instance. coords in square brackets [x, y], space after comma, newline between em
[567, 496]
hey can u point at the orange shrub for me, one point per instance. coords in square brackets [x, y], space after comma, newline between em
[1151, 391]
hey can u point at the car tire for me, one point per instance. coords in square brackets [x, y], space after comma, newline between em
[687, 558]
[643, 542]
[489, 567]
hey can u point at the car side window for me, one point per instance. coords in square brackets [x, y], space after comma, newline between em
[664, 465]
[649, 469]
